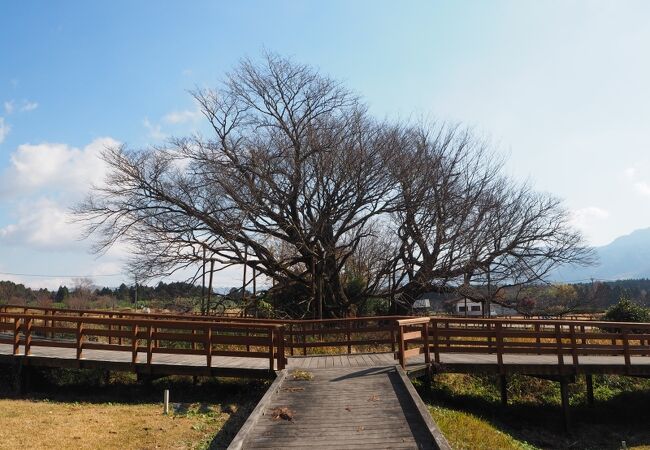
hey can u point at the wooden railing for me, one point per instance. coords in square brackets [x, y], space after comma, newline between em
[302, 337]
[146, 336]
[415, 330]
[568, 341]
[560, 338]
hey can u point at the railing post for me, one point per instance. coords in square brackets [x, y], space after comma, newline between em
[447, 338]
[427, 351]
[281, 358]
[134, 345]
[558, 342]
[271, 333]
[16, 335]
[574, 347]
[208, 346]
[28, 336]
[489, 337]
[149, 344]
[291, 338]
[499, 339]
[626, 350]
[436, 347]
[538, 339]
[402, 347]
[80, 331]
[119, 328]
[348, 335]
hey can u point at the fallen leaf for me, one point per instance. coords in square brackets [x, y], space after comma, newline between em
[283, 413]
[293, 389]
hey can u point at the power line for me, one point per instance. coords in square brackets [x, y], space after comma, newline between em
[59, 276]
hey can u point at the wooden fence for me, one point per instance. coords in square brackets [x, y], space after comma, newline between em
[144, 336]
[569, 341]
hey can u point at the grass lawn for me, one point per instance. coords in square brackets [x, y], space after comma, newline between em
[468, 411]
[84, 410]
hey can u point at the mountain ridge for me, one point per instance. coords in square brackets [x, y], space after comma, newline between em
[626, 257]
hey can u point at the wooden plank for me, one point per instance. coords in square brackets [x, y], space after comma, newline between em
[244, 432]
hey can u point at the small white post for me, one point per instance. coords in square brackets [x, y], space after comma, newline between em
[166, 402]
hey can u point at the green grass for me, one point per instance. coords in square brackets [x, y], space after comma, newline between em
[467, 408]
[467, 431]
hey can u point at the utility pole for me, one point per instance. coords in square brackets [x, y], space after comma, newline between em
[210, 286]
[243, 287]
[203, 285]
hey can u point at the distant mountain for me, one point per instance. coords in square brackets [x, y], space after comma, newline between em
[625, 258]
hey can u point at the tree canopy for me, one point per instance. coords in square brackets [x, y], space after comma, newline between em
[298, 181]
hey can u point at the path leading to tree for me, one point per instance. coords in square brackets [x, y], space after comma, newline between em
[351, 408]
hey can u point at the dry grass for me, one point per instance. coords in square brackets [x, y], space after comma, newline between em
[53, 425]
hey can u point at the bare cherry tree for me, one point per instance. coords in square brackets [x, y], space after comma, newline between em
[461, 222]
[289, 184]
[297, 181]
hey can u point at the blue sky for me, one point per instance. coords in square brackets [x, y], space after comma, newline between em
[560, 87]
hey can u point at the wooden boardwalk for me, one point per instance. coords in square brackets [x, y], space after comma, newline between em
[347, 357]
[161, 364]
[351, 408]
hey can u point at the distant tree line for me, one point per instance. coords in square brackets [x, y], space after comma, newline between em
[83, 292]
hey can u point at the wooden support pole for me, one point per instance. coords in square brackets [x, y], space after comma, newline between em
[503, 385]
[564, 394]
[28, 336]
[590, 389]
[16, 335]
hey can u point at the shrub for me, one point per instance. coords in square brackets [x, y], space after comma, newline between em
[627, 311]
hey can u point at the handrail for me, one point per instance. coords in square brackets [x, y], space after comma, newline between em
[568, 340]
[181, 336]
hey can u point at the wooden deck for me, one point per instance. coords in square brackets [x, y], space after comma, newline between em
[341, 407]
[161, 364]
[169, 364]
[349, 358]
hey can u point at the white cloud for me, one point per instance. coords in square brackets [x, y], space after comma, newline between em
[40, 185]
[9, 106]
[28, 106]
[178, 117]
[4, 129]
[584, 217]
[42, 224]
[55, 166]
[155, 130]
[640, 186]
